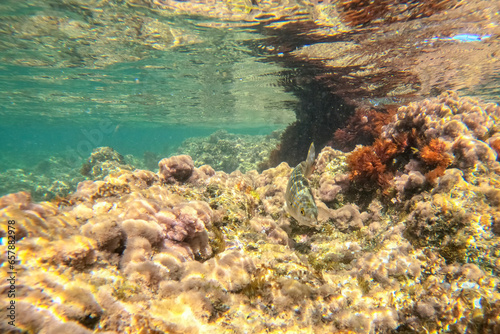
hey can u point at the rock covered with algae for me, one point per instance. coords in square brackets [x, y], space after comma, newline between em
[57, 176]
[49, 178]
[229, 152]
[194, 250]
[467, 127]
[103, 161]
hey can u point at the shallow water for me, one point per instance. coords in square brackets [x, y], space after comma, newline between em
[59, 84]
[157, 78]
[91, 90]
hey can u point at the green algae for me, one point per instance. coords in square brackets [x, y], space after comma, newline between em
[218, 242]
[229, 152]
[261, 280]
[126, 290]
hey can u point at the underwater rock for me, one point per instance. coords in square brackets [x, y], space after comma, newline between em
[188, 223]
[20, 200]
[78, 304]
[271, 187]
[347, 218]
[201, 174]
[328, 188]
[495, 224]
[102, 162]
[106, 231]
[209, 251]
[408, 183]
[450, 215]
[269, 227]
[329, 160]
[469, 151]
[103, 154]
[77, 252]
[178, 168]
[148, 230]
[45, 321]
[232, 270]
[229, 152]
[450, 179]
[138, 249]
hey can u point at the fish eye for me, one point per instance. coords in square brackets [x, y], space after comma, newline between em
[302, 211]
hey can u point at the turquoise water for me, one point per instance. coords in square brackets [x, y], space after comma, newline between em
[24, 145]
[74, 78]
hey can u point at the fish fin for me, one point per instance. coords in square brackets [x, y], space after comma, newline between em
[311, 155]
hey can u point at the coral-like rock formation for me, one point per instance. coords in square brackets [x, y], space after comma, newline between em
[447, 117]
[104, 161]
[347, 218]
[178, 168]
[428, 136]
[362, 128]
[205, 251]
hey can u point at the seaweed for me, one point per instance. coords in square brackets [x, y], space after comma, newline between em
[435, 156]
[371, 166]
[362, 128]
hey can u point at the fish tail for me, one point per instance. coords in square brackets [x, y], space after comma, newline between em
[310, 161]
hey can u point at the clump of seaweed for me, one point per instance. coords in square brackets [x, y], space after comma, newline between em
[362, 128]
[365, 165]
[206, 251]
[435, 156]
[495, 145]
[371, 166]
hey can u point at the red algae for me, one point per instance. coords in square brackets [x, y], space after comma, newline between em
[436, 157]
[366, 166]
[371, 166]
[362, 128]
[495, 145]
[435, 153]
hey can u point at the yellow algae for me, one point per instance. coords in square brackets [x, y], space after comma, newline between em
[178, 312]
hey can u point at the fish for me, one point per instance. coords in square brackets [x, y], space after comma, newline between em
[299, 200]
